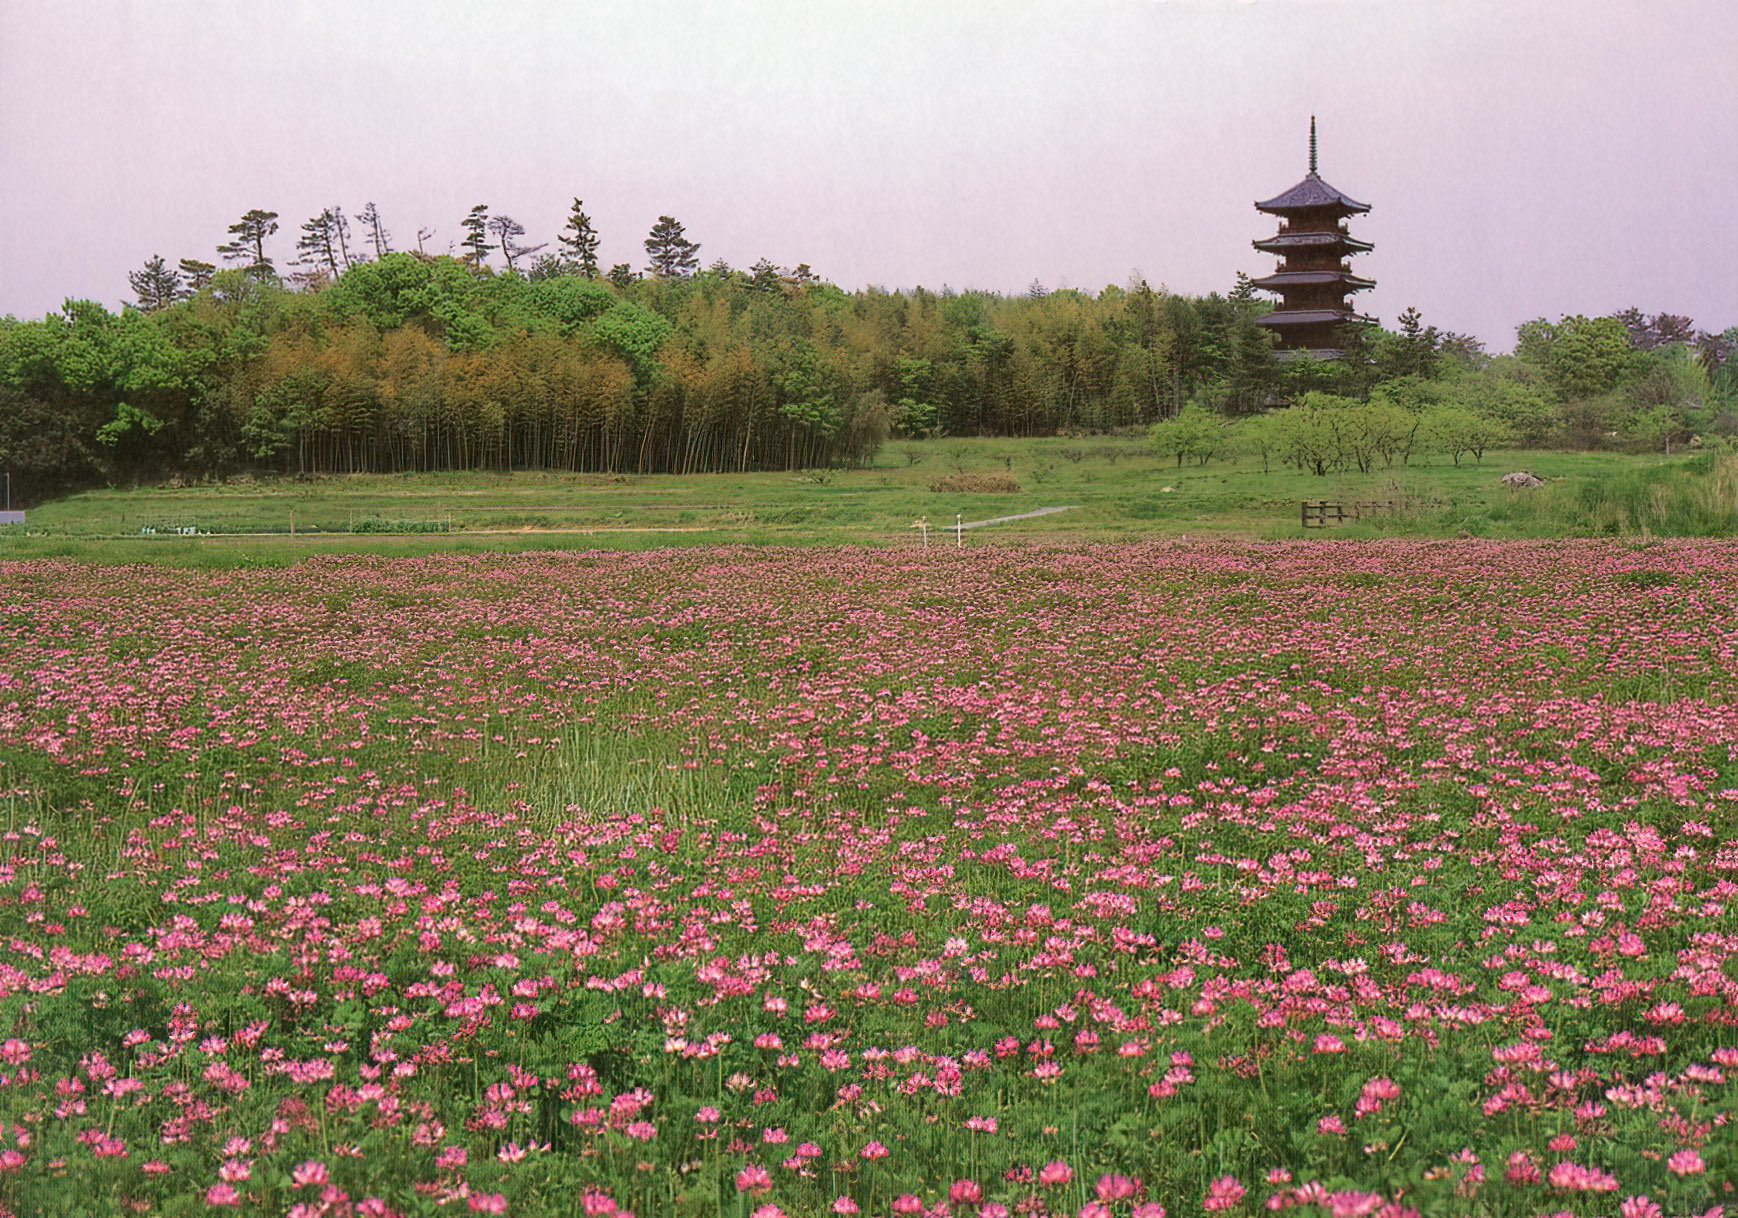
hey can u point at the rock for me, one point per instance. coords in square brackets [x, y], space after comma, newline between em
[1522, 477]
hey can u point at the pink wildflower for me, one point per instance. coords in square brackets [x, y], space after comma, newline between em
[1113, 1187]
[753, 1179]
[1685, 1162]
[1223, 1193]
[1574, 1177]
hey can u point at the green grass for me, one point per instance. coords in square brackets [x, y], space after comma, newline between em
[1118, 491]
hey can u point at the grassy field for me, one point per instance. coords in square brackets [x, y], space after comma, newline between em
[1114, 488]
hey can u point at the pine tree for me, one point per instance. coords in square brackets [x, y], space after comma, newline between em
[375, 230]
[248, 242]
[195, 275]
[1418, 344]
[621, 275]
[507, 231]
[157, 285]
[317, 246]
[341, 233]
[764, 276]
[672, 255]
[476, 240]
[579, 241]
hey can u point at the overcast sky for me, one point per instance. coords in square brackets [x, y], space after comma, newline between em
[1523, 158]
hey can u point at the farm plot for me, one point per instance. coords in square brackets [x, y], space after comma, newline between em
[1347, 878]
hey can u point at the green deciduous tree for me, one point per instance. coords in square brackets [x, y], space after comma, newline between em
[1580, 357]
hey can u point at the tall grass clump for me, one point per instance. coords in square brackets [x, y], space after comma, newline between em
[1696, 499]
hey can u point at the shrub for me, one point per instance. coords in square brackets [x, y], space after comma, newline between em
[977, 484]
[375, 524]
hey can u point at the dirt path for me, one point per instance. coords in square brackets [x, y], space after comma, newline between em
[1043, 511]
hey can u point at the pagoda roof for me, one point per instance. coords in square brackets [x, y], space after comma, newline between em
[1312, 194]
[1279, 243]
[1288, 355]
[1306, 317]
[1302, 279]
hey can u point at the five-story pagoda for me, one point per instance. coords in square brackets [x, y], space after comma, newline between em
[1314, 277]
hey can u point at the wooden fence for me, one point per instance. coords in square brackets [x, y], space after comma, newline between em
[1320, 513]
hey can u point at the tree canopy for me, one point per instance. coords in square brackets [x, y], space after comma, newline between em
[375, 359]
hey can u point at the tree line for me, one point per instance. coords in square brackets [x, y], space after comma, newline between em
[508, 355]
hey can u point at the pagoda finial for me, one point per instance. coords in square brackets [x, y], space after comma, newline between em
[1312, 143]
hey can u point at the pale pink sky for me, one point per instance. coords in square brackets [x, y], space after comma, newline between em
[1522, 157]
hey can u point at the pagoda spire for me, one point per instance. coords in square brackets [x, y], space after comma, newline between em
[1312, 144]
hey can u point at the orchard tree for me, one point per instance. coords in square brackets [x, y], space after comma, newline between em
[247, 244]
[671, 254]
[1190, 433]
[579, 241]
[157, 285]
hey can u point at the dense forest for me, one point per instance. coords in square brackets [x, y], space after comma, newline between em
[504, 356]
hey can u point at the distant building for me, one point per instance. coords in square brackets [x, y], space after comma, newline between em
[1314, 277]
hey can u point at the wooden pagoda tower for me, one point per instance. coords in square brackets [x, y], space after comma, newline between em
[1314, 277]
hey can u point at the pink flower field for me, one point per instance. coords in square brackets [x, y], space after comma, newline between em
[1339, 879]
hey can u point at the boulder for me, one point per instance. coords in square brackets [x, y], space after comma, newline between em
[1522, 477]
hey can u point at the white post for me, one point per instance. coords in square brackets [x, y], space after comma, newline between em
[923, 524]
[959, 532]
